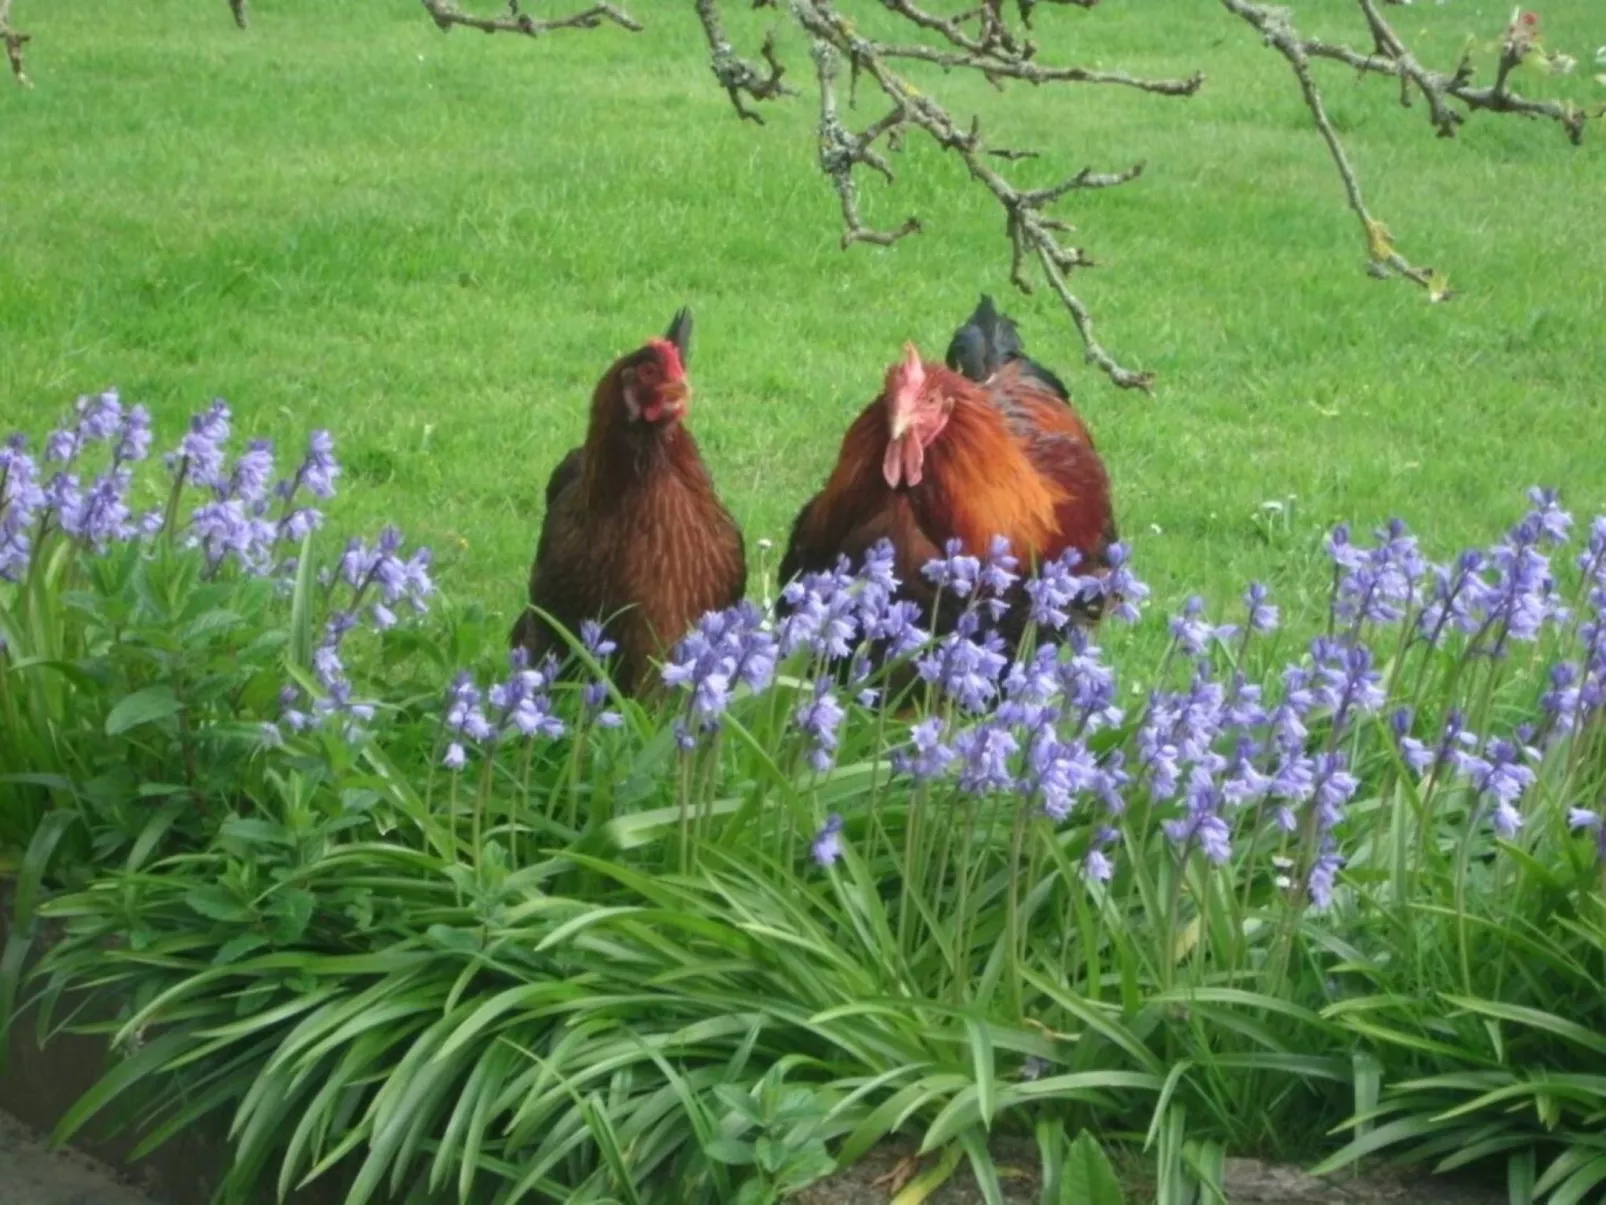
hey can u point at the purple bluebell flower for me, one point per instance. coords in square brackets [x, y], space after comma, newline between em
[724, 649]
[249, 480]
[199, 458]
[1193, 633]
[1592, 560]
[1122, 586]
[134, 437]
[100, 416]
[1376, 585]
[985, 752]
[898, 628]
[927, 756]
[964, 670]
[823, 616]
[1089, 685]
[997, 577]
[1342, 552]
[64, 501]
[464, 719]
[290, 715]
[320, 468]
[1244, 783]
[1030, 690]
[826, 847]
[596, 641]
[20, 501]
[103, 515]
[1059, 771]
[1522, 598]
[1055, 589]
[1293, 779]
[1550, 523]
[1201, 825]
[1334, 787]
[1323, 875]
[61, 446]
[225, 529]
[1097, 866]
[1243, 707]
[955, 572]
[1261, 616]
[819, 719]
[1349, 684]
[1456, 600]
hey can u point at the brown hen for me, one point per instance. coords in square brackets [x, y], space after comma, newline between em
[635, 536]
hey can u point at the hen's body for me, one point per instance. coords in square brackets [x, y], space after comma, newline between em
[1014, 459]
[635, 537]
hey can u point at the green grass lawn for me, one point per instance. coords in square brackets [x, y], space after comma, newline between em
[434, 245]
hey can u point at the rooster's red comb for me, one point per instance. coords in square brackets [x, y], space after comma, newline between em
[909, 375]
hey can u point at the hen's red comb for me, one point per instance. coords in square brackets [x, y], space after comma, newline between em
[669, 359]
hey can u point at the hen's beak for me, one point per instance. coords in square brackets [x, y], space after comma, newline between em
[901, 423]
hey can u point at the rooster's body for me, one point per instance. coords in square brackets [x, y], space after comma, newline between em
[992, 449]
[635, 536]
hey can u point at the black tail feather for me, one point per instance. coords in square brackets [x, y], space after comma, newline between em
[679, 332]
[989, 340]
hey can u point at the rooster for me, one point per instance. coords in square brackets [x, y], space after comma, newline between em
[984, 445]
[635, 536]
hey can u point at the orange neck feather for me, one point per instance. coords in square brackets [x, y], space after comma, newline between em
[980, 483]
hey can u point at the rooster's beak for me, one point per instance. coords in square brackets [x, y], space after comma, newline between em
[900, 426]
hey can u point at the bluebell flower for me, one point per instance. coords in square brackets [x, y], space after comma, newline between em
[199, 459]
[1261, 616]
[826, 847]
[100, 416]
[1059, 772]
[1121, 585]
[1551, 524]
[249, 480]
[928, 756]
[1193, 633]
[819, 719]
[955, 572]
[963, 669]
[1201, 824]
[20, 500]
[985, 752]
[103, 514]
[1323, 875]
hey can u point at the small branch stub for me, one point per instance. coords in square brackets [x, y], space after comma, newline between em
[14, 40]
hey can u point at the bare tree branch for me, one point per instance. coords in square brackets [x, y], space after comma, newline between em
[446, 14]
[14, 40]
[1032, 232]
[736, 75]
[982, 40]
[1275, 26]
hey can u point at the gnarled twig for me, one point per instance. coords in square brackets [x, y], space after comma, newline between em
[446, 14]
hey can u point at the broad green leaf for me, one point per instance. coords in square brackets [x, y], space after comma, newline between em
[1088, 1178]
[142, 707]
